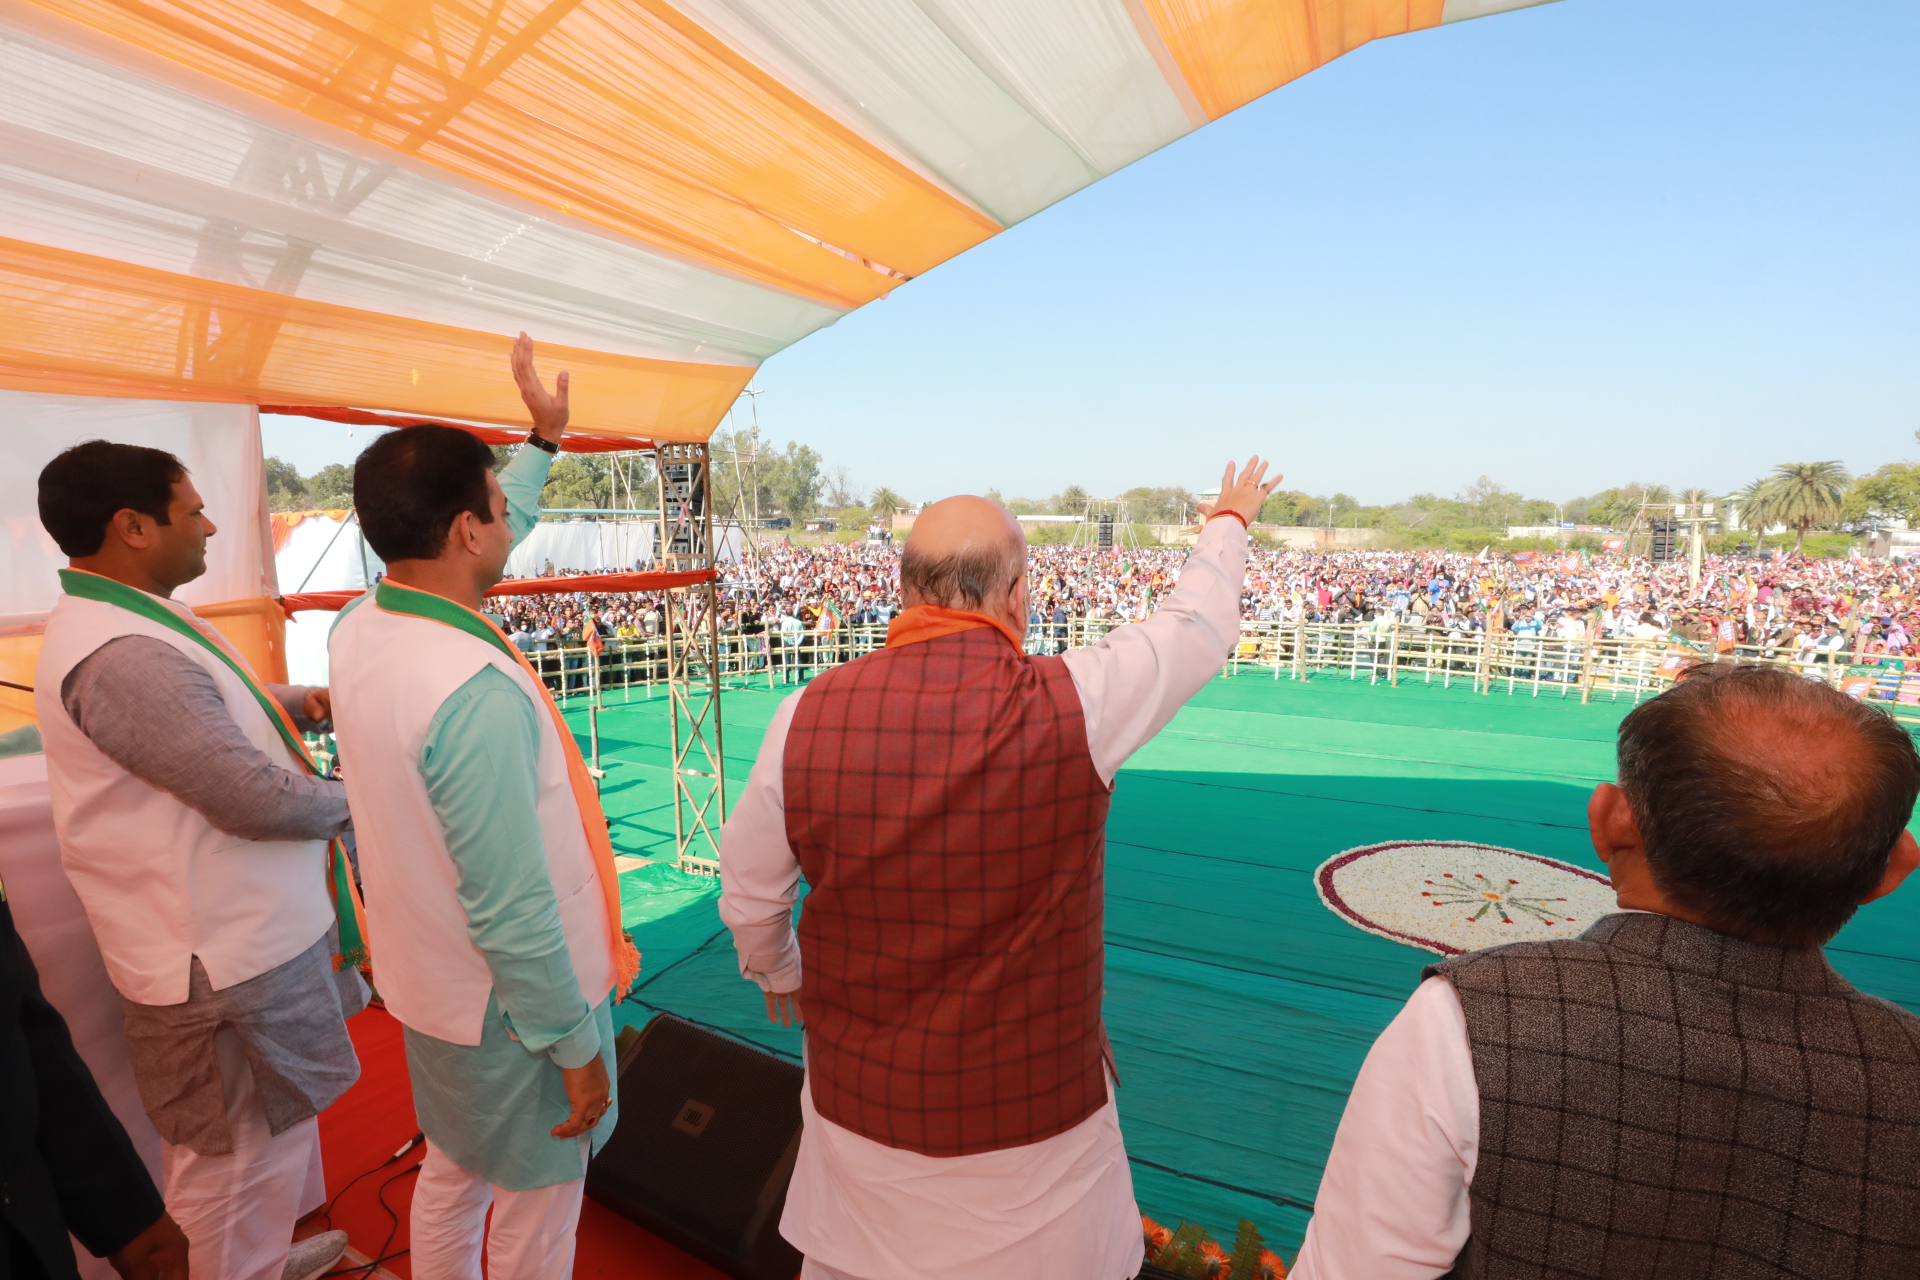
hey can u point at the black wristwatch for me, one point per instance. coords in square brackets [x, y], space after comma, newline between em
[539, 443]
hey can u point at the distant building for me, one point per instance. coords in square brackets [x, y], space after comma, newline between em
[1553, 530]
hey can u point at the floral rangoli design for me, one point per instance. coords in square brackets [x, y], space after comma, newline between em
[1450, 897]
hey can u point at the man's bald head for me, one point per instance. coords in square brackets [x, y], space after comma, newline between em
[963, 553]
[1768, 803]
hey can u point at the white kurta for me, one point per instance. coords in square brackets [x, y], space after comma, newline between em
[160, 883]
[1393, 1199]
[1063, 1206]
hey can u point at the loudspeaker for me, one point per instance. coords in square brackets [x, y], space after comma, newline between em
[709, 1128]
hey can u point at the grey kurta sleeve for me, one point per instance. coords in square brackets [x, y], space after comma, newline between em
[157, 714]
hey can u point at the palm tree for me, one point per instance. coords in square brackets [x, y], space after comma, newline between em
[884, 503]
[1804, 494]
[1754, 507]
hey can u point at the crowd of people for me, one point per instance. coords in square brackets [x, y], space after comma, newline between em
[1686, 1088]
[1808, 609]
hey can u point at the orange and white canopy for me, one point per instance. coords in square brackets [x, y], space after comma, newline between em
[359, 202]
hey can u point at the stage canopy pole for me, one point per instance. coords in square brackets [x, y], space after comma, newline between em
[684, 474]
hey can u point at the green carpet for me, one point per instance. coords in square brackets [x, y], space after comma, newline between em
[1240, 1008]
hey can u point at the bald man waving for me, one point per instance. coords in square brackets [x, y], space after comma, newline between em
[946, 799]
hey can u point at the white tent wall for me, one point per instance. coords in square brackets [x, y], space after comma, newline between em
[218, 443]
[321, 553]
[220, 446]
[592, 546]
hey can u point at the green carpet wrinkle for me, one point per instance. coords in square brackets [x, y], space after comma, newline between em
[1239, 1007]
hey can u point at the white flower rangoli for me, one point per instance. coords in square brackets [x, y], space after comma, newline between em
[1451, 897]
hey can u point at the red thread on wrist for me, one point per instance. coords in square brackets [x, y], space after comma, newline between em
[1229, 511]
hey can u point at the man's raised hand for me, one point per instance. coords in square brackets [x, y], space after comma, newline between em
[549, 411]
[1244, 494]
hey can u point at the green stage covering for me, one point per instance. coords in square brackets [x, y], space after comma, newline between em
[1240, 1008]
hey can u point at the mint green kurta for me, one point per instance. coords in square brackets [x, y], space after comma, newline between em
[491, 1106]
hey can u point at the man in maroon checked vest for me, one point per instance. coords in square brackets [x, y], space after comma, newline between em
[946, 800]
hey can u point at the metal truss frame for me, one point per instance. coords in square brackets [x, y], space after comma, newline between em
[683, 473]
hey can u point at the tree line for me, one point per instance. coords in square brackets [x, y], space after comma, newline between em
[752, 477]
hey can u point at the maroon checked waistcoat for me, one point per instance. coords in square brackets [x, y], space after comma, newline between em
[942, 802]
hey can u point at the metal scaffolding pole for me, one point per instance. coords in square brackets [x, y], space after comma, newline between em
[683, 473]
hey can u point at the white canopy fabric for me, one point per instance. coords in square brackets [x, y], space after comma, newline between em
[324, 552]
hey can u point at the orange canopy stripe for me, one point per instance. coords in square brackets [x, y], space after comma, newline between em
[600, 583]
[1232, 51]
[569, 443]
[77, 324]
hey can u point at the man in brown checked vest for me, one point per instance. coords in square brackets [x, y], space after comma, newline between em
[946, 799]
[1687, 1090]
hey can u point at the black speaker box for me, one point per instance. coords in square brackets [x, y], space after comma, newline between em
[709, 1128]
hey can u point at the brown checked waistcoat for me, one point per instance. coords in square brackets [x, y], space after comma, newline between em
[942, 802]
[1662, 1102]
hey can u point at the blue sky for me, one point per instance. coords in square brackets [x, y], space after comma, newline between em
[1568, 247]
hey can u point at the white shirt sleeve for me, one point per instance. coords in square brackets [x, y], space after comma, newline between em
[759, 876]
[1134, 680]
[1393, 1198]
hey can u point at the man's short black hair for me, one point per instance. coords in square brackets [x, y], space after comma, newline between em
[82, 489]
[1768, 802]
[410, 484]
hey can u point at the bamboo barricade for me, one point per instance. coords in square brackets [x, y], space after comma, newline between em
[1503, 664]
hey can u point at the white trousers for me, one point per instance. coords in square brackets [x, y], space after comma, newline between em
[238, 1210]
[532, 1235]
[811, 1270]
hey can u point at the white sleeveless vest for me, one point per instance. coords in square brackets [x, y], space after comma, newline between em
[159, 882]
[391, 672]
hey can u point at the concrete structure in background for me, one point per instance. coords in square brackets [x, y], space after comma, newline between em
[1299, 537]
[1561, 531]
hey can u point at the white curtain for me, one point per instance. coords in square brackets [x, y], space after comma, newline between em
[593, 546]
[321, 554]
[218, 443]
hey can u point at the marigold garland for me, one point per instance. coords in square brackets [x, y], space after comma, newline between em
[1190, 1251]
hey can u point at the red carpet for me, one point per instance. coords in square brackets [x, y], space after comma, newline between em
[375, 1119]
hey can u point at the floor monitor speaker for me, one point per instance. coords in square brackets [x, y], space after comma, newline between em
[708, 1131]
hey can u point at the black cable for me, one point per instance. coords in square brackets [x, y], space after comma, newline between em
[326, 1210]
[382, 1257]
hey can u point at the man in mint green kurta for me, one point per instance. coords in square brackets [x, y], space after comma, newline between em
[508, 1120]
[490, 1102]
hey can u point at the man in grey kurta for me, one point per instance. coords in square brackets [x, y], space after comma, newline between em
[279, 1035]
